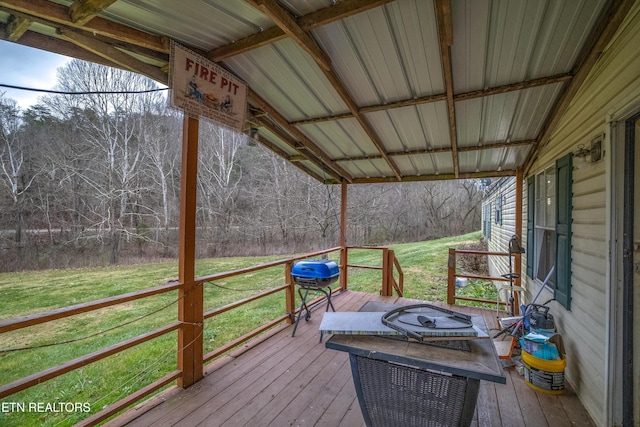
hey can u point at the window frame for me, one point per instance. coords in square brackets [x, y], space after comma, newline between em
[561, 278]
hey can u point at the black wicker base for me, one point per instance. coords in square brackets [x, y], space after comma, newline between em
[396, 395]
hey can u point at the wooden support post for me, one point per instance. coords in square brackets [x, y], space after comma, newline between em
[518, 231]
[290, 292]
[343, 238]
[190, 293]
[384, 291]
[451, 277]
[390, 279]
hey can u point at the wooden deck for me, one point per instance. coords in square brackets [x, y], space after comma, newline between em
[296, 381]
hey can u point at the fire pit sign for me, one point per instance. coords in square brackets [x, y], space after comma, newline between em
[202, 88]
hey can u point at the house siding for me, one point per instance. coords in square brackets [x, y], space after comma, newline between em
[501, 233]
[612, 87]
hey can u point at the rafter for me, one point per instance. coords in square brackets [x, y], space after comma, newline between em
[321, 17]
[489, 146]
[114, 55]
[83, 11]
[543, 81]
[152, 54]
[62, 47]
[288, 24]
[278, 151]
[61, 15]
[257, 101]
[16, 27]
[445, 36]
[353, 108]
[85, 35]
[437, 177]
[285, 21]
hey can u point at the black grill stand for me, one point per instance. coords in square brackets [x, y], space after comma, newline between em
[306, 287]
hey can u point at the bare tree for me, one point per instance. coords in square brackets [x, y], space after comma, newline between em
[109, 123]
[219, 175]
[16, 174]
[160, 132]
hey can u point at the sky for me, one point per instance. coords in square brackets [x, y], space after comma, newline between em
[28, 67]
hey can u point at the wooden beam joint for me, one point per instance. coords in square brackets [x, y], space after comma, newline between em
[287, 23]
[83, 11]
[16, 27]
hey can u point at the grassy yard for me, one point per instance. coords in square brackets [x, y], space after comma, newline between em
[31, 350]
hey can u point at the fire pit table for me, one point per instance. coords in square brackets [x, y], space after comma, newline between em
[313, 275]
[403, 383]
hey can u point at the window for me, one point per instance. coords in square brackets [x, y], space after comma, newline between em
[549, 227]
[499, 209]
[545, 224]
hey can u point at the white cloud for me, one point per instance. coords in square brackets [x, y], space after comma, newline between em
[27, 67]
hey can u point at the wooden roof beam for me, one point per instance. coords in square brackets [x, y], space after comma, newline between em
[277, 118]
[155, 55]
[61, 15]
[16, 27]
[285, 21]
[114, 55]
[445, 36]
[62, 47]
[437, 177]
[283, 154]
[353, 108]
[288, 24]
[490, 146]
[316, 19]
[543, 81]
[83, 11]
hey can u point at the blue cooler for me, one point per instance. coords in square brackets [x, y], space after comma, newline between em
[315, 273]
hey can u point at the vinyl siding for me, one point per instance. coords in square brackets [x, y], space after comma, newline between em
[501, 233]
[612, 88]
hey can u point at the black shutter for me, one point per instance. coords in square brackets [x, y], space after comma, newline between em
[564, 206]
[531, 209]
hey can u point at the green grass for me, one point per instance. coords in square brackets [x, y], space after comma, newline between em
[98, 384]
[425, 270]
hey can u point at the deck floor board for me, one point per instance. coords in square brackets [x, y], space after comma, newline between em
[296, 381]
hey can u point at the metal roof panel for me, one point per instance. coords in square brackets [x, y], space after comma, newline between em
[286, 75]
[501, 42]
[420, 127]
[341, 138]
[495, 159]
[374, 52]
[506, 117]
[509, 63]
[191, 22]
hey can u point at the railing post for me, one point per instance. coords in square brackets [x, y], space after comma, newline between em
[344, 283]
[290, 292]
[343, 236]
[399, 285]
[400, 276]
[385, 273]
[451, 277]
[517, 260]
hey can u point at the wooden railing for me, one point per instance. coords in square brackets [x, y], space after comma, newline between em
[389, 265]
[389, 283]
[453, 274]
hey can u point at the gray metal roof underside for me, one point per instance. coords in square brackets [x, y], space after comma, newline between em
[359, 90]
